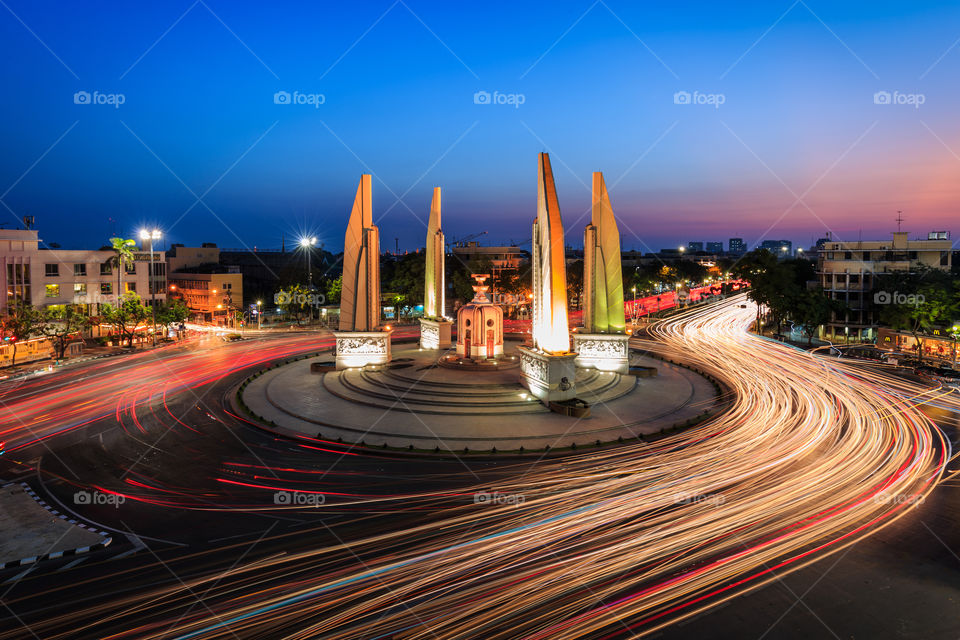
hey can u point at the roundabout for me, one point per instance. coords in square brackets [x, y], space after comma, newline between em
[413, 402]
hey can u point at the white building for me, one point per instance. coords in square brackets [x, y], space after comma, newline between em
[47, 277]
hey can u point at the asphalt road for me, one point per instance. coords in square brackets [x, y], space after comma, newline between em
[205, 492]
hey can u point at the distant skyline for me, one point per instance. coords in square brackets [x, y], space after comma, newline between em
[239, 122]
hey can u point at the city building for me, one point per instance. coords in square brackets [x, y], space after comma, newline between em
[693, 247]
[715, 248]
[780, 248]
[85, 277]
[736, 247]
[212, 291]
[847, 272]
[501, 258]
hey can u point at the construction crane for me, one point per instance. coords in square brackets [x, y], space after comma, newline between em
[459, 242]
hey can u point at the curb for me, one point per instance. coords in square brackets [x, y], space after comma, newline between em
[107, 539]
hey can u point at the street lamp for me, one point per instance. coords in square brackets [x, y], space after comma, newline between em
[259, 314]
[151, 235]
[634, 305]
[308, 244]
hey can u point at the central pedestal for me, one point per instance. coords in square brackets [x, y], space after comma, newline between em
[603, 351]
[360, 348]
[550, 378]
[435, 334]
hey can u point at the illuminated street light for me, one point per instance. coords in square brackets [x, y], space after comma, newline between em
[151, 235]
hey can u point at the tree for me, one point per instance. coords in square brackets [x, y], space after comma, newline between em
[22, 322]
[294, 301]
[60, 322]
[122, 255]
[916, 301]
[172, 312]
[126, 316]
[407, 281]
[334, 288]
[813, 308]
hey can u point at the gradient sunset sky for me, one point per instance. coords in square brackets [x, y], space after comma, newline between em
[199, 148]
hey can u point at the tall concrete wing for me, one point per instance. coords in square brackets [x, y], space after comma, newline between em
[433, 291]
[360, 296]
[603, 279]
[550, 328]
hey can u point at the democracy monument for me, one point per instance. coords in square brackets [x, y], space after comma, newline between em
[559, 387]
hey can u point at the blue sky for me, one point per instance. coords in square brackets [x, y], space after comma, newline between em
[200, 149]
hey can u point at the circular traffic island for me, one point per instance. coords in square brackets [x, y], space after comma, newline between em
[418, 402]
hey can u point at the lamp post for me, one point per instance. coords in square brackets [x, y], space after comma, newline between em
[151, 235]
[259, 314]
[308, 244]
[634, 305]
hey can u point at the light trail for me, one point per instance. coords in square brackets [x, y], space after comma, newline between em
[813, 455]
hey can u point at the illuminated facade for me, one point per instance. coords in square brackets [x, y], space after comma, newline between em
[550, 330]
[480, 325]
[602, 344]
[434, 327]
[360, 341]
[548, 369]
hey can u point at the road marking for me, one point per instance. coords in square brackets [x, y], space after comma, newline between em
[20, 575]
[126, 553]
[73, 564]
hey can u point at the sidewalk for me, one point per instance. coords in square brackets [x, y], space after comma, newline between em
[29, 532]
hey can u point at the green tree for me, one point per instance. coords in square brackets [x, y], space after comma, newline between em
[122, 254]
[407, 281]
[813, 308]
[170, 313]
[22, 322]
[916, 301]
[60, 322]
[294, 301]
[334, 289]
[126, 317]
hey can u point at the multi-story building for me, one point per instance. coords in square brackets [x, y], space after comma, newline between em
[737, 247]
[45, 277]
[211, 297]
[501, 258]
[715, 248]
[779, 248]
[213, 292]
[847, 272]
[694, 247]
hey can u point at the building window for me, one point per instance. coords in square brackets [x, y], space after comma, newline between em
[53, 290]
[944, 258]
[130, 286]
[131, 267]
[106, 288]
[106, 269]
[51, 270]
[80, 288]
[80, 269]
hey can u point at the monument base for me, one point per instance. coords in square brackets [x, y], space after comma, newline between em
[550, 378]
[360, 348]
[603, 351]
[435, 334]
